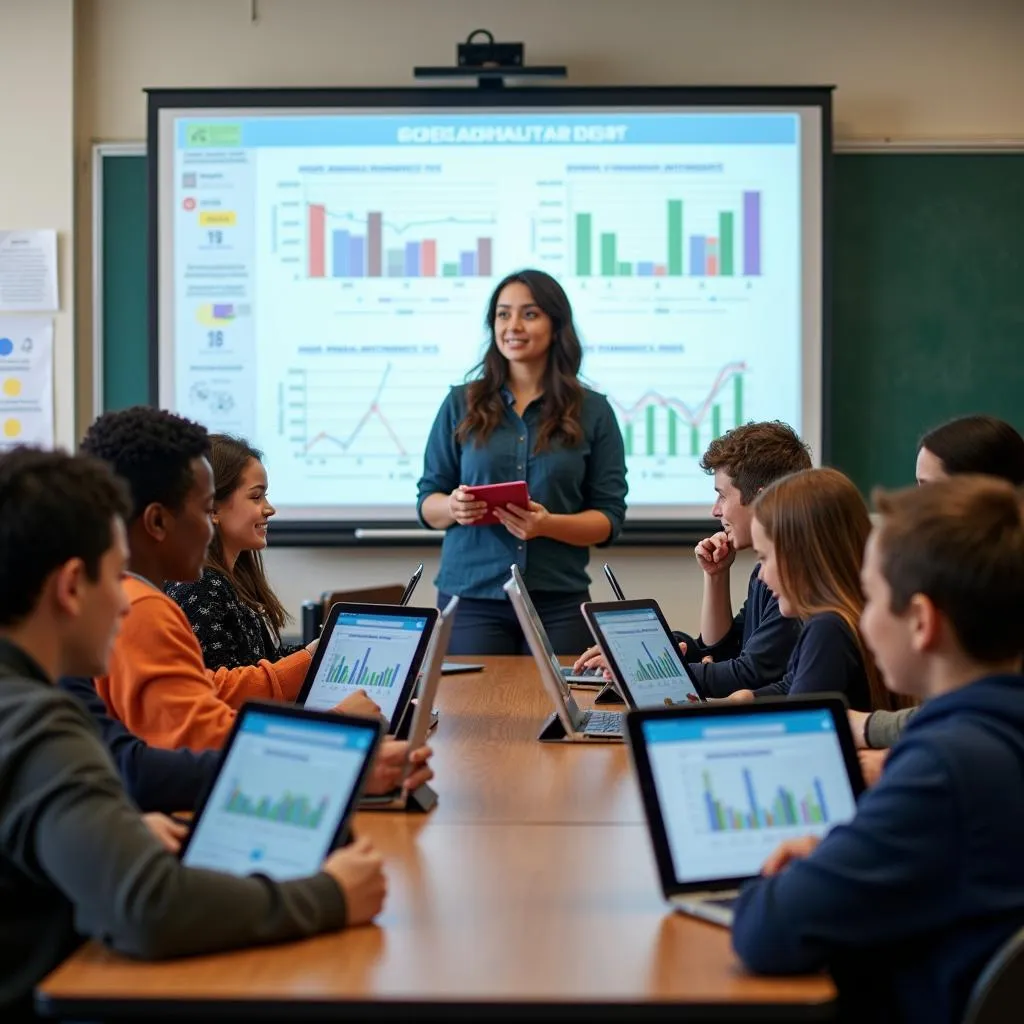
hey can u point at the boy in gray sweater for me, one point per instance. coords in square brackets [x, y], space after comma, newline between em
[76, 858]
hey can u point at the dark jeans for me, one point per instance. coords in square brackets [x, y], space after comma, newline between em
[485, 626]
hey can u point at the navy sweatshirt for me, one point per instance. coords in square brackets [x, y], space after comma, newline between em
[155, 779]
[753, 653]
[827, 659]
[907, 903]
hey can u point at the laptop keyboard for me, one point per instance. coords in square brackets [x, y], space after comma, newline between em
[725, 902]
[587, 673]
[603, 722]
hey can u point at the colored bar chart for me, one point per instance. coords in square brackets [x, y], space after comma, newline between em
[360, 251]
[696, 255]
[289, 809]
[359, 673]
[656, 424]
[661, 666]
[783, 811]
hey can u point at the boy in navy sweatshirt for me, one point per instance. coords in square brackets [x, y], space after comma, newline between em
[907, 903]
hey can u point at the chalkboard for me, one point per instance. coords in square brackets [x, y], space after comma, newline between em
[928, 298]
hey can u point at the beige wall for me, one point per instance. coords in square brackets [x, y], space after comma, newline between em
[911, 69]
[37, 91]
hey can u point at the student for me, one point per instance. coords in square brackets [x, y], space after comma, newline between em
[752, 648]
[970, 444]
[235, 614]
[76, 859]
[157, 684]
[809, 531]
[907, 902]
[526, 416]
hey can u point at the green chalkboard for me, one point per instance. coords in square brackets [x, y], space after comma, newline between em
[928, 302]
[928, 299]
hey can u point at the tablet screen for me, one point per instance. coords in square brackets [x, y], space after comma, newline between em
[646, 657]
[731, 788]
[279, 797]
[367, 652]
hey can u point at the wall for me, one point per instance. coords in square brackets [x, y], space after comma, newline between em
[919, 69]
[37, 87]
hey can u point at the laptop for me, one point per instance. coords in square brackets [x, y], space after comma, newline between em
[448, 667]
[643, 657]
[613, 582]
[724, 784]
[373, 647]
[423, 798]
[591, 679]
[285, 788]
[569, 722]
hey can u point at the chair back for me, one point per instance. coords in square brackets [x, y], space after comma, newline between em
[998, 994]
[387, 593]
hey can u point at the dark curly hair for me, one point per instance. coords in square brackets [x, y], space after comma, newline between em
[563, 393]
[151, 450]
[756, 454]
[53, 507]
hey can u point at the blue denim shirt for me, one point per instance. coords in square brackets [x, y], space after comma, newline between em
[475, 560]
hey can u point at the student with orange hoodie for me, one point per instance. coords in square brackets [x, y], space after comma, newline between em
[157, 684]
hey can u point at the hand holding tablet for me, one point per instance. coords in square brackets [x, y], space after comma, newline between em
[475, 505]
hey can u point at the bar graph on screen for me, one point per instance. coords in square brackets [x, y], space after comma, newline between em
[442, 230]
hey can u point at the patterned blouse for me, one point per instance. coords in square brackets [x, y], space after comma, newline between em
[230, 633]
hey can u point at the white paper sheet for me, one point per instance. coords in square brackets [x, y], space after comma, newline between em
[26, 381]
[28, 271]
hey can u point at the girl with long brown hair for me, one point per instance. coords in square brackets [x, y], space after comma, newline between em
[524, 416]
[809, 531]
[234, 612]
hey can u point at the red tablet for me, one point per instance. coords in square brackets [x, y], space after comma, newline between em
[514, 492]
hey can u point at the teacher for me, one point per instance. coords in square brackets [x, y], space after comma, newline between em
[524, 416]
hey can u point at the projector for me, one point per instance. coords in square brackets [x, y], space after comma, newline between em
[490, 62]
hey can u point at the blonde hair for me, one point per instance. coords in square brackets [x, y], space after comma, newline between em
[819, 524]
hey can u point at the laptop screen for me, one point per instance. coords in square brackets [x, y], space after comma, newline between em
[367, 652]
[732, 788]
[279, 797]
[647, 658]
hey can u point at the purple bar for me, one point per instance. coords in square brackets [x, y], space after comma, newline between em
[483, 257]
[356, 248]
[645, 269]
[467, 264]
[373, 235]
[223, 310]
[339, 261]
[412, 259]
[697, 259]
[752, 234]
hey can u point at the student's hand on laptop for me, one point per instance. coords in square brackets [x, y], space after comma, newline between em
[715, 554]
[590, 658]
[789, 851]
[386, 773]
[872, 763]
[741, 697]
[359, 871]
[858, 726]
[167, 830]
[357, 703]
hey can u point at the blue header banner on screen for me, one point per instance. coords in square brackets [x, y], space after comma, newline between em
[363, 233]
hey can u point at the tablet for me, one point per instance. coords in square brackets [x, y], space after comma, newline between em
[498, 496]
[285, 788]
[373, 647]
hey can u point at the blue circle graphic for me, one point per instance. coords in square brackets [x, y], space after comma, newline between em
[6, 346]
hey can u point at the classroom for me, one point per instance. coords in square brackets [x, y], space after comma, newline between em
[531, 884]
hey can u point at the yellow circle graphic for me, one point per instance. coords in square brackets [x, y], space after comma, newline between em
[12, 428]
[12, 387]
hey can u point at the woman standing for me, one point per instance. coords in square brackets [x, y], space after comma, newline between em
[525, 416]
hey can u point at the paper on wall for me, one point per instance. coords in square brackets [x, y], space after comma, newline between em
[28, 271]
[26, 381]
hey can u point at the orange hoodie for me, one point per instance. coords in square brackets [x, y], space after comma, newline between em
[160, 689]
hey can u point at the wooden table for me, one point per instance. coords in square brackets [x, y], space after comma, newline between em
[518, 894]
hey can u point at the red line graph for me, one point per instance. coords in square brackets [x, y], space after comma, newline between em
[694, 417]
[373, 411]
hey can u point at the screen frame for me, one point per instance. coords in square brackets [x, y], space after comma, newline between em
[343, 531]
[395, 611]
[835, 703]
[591, 609]
[290, 712]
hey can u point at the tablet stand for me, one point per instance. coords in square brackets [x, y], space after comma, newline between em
[421, 800]
[609, 695]
[553, 730]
